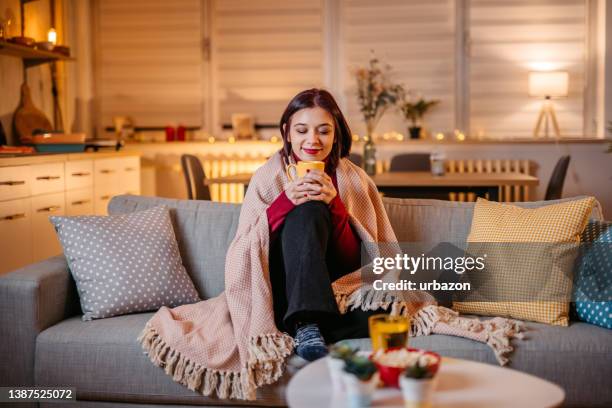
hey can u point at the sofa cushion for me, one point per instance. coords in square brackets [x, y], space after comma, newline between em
[593, 279]
[104, 362]
[531, 254]
[435, 221]
[576, 357]
[125, 263]
[203, 229]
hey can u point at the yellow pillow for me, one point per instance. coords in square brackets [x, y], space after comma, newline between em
[529, 259]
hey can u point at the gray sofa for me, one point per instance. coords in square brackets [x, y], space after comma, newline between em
[44, 342]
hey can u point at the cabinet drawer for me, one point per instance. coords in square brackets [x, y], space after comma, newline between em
[44, 238]
[101, 200]
[47, 178]
[14, 182]
[80, 202]
[15, 234]
[129, 175]
[106, 174]
[79, 174]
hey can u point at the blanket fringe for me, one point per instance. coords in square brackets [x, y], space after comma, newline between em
[267, 357]
[495, 332]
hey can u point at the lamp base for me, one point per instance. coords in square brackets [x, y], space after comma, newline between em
[547, 115]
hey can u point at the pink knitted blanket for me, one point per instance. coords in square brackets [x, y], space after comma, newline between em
[229, 345]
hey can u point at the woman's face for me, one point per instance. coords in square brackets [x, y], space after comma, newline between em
[311, 133]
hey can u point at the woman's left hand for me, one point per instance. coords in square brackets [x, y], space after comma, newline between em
[321, 186]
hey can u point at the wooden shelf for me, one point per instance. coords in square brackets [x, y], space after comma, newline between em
[31, 56]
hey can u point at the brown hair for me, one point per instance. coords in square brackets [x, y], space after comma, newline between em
[321, 98]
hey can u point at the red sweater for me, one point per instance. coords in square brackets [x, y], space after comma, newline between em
[345, 243]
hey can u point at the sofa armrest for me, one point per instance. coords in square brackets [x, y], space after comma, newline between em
[32, 299]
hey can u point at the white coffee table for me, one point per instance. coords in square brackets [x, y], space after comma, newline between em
[462, 383]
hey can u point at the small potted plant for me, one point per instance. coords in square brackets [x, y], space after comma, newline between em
[418, 380]
[338, 354]
[360, 379]
[414, 110]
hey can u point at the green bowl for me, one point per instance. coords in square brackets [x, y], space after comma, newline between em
[60, 148]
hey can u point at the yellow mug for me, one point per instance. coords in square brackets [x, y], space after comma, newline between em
[302, 167]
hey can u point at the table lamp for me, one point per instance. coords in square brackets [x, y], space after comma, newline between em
[548, 85]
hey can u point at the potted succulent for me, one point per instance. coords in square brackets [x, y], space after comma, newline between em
[418, 380]
[414, 109]
[338, 354]
[360, 378]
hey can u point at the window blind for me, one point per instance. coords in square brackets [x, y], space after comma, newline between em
[148, 61]
[508, 39]
[417, 39]
[264, 52]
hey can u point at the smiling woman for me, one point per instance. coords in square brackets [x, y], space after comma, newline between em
[312, 242]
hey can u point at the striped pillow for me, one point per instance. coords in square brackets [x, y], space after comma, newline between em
[530, 254]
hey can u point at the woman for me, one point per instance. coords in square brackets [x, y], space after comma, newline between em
[293, 269]
[312, 240]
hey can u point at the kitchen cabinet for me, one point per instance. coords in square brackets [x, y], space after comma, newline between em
[44, 239]
[80, 202]
[79, 174]
[47, 178]
[33, 189]
[15, 234]
[14, 182]
[113, 177]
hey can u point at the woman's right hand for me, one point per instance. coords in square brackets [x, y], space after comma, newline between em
[296, 191]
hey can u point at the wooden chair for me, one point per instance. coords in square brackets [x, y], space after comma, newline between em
[555, 185]
[410, 162]
[194, 177]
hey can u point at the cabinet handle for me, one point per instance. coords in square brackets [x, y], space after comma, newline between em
[105, 197]
[130, 169]
[106, 171]
[13, 217]
[85, 173]
[80, 202]
[11, 183]
[49, 209]
[48, 177]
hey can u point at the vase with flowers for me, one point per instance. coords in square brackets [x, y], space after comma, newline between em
[376, 94]
[414, 109]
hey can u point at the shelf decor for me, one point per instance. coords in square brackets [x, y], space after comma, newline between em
[376, 94]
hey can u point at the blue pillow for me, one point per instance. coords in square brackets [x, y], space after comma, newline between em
[593, 280]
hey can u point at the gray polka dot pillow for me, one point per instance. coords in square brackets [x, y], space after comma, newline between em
[125, 263]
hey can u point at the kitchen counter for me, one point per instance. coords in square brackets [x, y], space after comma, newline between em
[13, 159]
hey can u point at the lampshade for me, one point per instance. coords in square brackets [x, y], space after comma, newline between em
[552, 84]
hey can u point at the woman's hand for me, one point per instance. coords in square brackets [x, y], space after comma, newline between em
[320, 186]
[297, 191]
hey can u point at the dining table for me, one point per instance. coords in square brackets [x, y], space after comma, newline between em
[421, 184]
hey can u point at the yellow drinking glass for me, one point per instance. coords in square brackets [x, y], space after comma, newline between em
[388, 331]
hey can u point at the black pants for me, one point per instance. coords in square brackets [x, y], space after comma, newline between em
[302, 269]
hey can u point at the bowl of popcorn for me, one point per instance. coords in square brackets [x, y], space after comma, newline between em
[391, 363]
